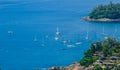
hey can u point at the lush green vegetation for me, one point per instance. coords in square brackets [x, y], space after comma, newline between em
[86, 61]
[105, 49]
[97, 67]
[111, 11]
[89, 58]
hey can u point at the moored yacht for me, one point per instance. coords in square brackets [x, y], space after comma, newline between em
[64, 42]
[78, 43]
[56, 38]
[106, 37]
[103, 31]
[87, 36]
[87, 33]
[57, 31]
[70, 46]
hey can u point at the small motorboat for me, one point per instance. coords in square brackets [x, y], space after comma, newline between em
[70, 46]
[64, 42]
[56, 38]
[78, 43]
[106, 37]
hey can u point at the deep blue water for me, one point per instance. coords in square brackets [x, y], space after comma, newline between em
[28, 19]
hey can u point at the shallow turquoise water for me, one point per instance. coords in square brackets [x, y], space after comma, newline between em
[28, 19]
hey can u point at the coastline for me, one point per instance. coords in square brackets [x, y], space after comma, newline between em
[105, 60]
[87, 18]
[73, 66]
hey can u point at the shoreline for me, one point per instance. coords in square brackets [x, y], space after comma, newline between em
[104, 59]
[73, 66]
[87, 18]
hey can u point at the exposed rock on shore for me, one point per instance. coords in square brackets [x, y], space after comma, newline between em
[100, 20]
[74, 66]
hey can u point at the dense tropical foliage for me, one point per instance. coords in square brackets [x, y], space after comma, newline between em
[108, 49]
[111, 11]
[97, 67]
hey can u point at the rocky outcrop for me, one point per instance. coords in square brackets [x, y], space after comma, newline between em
[100, 20]
[74, 66]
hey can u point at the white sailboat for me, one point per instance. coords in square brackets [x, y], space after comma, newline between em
[104, 34]
[57, 31]
[78, 42]
[87, 34]
[87, 37]
[103, 31]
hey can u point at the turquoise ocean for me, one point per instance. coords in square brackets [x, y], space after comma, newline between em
[28, 31]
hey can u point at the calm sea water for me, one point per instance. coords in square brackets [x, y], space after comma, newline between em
[29, 19]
